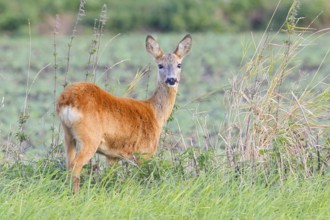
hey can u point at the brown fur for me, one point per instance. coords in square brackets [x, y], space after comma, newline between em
[96, 121]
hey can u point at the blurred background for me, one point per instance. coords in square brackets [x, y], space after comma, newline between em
[159, 15]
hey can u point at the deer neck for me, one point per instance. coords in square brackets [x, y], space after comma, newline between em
[163, 101]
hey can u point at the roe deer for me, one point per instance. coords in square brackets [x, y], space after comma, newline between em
[94, 121]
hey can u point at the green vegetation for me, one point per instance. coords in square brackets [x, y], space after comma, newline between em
[249, 137]
[119, 194]
[159, 15]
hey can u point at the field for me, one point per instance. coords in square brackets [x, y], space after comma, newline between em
[199, 172]
[214, 61]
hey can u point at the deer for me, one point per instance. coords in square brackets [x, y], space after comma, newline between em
[95, 121]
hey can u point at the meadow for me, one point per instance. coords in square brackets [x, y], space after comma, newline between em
[248, 139]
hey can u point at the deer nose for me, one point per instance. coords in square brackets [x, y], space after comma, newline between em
[171, 81]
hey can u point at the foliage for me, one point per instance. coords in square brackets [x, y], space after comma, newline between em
[160, 15]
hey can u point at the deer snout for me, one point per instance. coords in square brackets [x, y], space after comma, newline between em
[171, 81]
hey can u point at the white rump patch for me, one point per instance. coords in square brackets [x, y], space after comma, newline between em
[69, 115]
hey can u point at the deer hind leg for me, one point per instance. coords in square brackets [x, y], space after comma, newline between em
[88, 147]
[70, 147]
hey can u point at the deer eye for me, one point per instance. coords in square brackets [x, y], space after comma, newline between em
[160, 66]
[179, 65]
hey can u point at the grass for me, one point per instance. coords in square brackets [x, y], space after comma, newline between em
[213, 195]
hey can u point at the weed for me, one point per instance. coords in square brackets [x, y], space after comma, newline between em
[81, 13]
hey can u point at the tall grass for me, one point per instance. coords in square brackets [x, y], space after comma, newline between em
[217, 195]
[273, 128]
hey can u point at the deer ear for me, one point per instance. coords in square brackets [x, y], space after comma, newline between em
[153, 47]
[184, 46]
